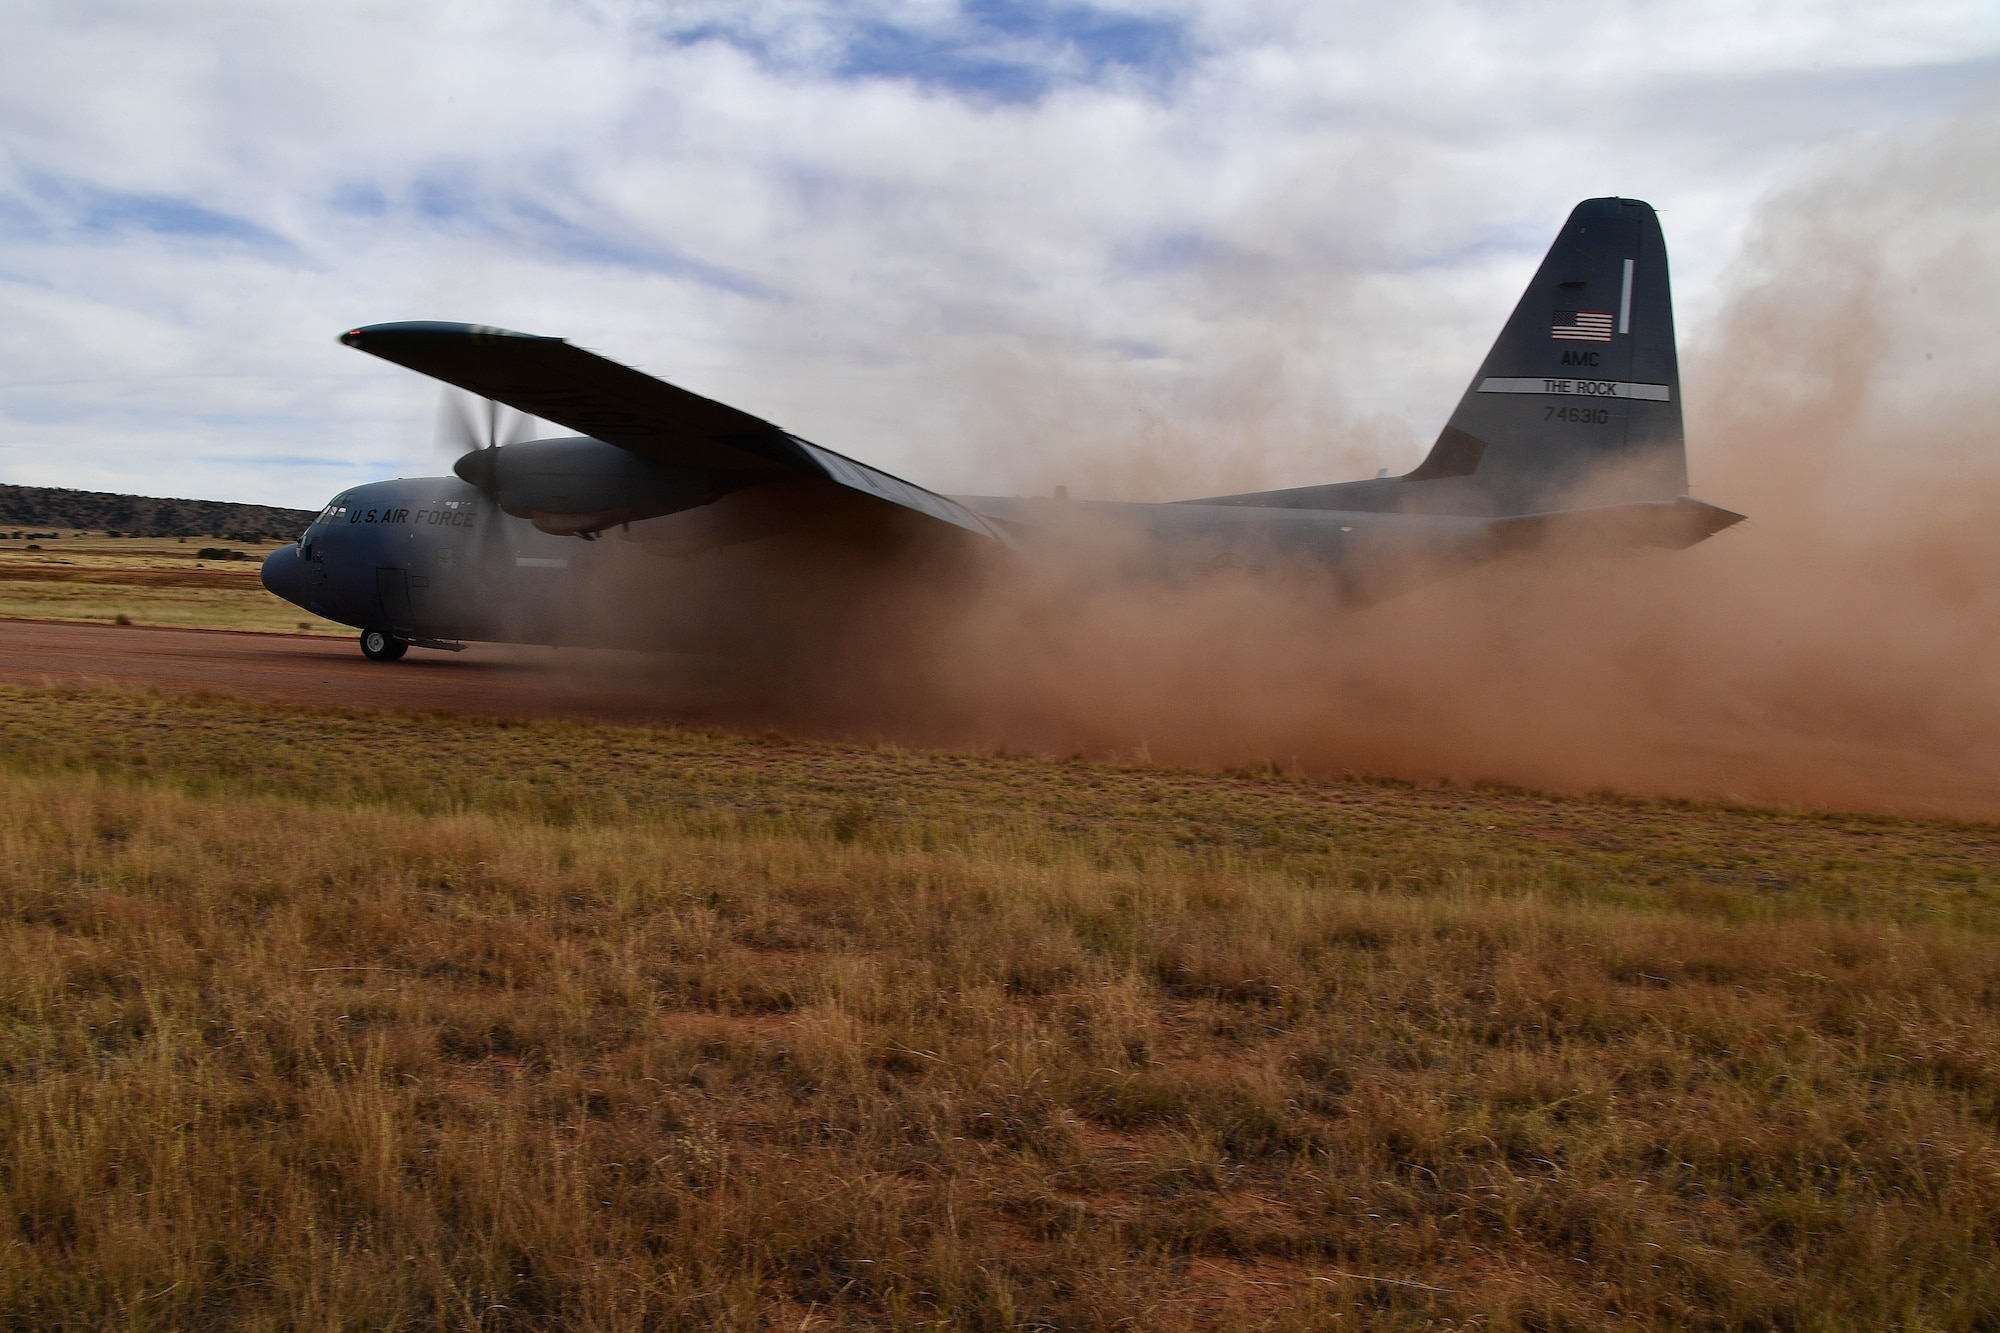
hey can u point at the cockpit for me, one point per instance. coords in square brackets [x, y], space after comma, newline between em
[335, 510]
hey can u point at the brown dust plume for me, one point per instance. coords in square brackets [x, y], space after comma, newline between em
[1841, 648]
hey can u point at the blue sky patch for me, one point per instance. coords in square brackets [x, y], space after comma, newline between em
[549, 231]
[51, 204]
[1004, 51]
[164, 215]
[1010, 51]
[449, 198]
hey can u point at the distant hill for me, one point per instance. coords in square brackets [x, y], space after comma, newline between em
[102, 511]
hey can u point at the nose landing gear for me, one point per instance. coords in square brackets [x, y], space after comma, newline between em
[379, 645]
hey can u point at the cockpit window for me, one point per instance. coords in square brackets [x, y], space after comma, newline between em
[336, 509]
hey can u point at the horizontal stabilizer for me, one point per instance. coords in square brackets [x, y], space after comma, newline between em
[1672, 524]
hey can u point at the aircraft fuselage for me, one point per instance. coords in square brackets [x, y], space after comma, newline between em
[673, 520]
[434, 559]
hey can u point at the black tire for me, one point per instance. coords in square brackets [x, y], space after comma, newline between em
[379, 645]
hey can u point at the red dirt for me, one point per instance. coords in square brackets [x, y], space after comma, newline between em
[483, 681]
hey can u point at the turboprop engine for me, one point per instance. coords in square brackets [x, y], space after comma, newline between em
[577, 485]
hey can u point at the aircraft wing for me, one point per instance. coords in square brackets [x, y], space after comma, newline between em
[557, 381]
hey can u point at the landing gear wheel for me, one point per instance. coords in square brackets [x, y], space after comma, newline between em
[379, 645]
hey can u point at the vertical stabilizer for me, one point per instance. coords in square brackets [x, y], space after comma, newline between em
[1579, 402]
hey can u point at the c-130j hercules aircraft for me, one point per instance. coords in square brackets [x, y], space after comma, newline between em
[1571, 429]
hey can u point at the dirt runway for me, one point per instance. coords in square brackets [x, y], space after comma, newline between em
[519, 682]
[484, 681]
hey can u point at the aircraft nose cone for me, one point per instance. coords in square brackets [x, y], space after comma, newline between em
[284, 574]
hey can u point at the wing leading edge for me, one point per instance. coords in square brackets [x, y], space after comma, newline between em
[560, 382]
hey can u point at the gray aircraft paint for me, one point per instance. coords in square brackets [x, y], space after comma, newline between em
[1570, 430]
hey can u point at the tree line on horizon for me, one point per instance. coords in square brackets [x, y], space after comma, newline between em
[143, 515]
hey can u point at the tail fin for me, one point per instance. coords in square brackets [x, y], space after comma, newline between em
[1579, 402]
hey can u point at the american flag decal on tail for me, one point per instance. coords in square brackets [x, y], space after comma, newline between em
[1581, 326]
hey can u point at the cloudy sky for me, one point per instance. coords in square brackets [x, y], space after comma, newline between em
[1145, 247]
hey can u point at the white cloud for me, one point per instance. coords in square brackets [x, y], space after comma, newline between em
[984, 248]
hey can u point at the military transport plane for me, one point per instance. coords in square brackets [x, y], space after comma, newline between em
[1571, 430]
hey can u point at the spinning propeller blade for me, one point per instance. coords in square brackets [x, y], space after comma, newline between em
[473, 428]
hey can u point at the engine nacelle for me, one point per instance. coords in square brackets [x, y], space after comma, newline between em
[580, 485]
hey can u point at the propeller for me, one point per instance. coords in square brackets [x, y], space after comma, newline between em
[476, 429]
[472, 428]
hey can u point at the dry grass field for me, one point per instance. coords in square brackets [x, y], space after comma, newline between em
[314, 1019]
[147, 580]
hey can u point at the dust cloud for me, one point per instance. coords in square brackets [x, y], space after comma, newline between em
[1840, 649]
